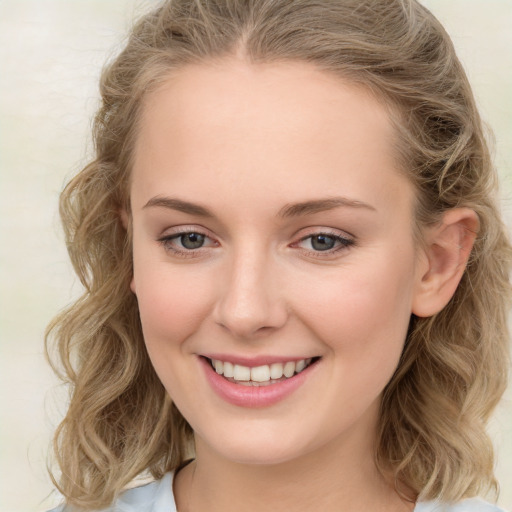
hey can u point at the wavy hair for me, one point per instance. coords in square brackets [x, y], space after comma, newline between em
[453, 369]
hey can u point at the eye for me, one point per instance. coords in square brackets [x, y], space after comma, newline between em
[324, 243]
[191, 240]
[186, 243]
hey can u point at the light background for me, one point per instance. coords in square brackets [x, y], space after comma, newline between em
[51, 52]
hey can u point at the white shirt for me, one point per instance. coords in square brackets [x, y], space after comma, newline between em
[158, 497]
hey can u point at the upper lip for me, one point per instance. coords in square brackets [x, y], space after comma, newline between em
[252, 361]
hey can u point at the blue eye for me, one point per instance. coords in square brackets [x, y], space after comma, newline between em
[186, 243]
[325, 242]
[191, 240]
[322, 242]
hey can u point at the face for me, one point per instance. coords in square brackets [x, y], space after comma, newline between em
[272, 232]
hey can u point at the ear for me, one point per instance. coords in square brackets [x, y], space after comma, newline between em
[444, 259]
[125, 218]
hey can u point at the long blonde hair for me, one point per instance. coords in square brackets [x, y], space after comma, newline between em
[432, 439]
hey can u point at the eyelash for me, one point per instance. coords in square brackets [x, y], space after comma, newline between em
[167, 242]
[343, 243]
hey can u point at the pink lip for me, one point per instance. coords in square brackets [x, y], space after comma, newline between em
[253, 396]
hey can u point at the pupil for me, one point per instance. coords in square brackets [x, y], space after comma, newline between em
[192, 240]
[322, 242]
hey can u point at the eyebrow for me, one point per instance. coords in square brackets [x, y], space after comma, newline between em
[289, 210]
[179, 205]
[321, 205]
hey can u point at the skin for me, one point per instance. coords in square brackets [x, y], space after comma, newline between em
[245, 142]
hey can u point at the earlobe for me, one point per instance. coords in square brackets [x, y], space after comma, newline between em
[125, 218]
[447, 249]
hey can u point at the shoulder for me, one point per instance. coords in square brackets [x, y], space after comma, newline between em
[153, 497]
[469, 505]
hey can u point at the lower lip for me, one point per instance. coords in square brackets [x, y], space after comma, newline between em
[253, 396]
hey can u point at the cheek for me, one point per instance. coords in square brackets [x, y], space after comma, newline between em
[361, 316]
[364, 309]
[172, 301]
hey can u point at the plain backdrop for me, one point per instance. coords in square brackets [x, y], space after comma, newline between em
[51, 53]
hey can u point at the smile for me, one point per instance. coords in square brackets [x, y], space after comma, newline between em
[263, 375]
[255, 384]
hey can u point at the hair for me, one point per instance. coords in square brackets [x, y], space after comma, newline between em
[431, 437]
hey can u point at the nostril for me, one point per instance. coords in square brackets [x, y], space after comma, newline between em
[249, 301]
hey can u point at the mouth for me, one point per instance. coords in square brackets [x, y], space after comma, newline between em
[262, 375]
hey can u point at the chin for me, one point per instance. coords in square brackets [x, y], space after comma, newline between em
[257, 457]
[255, 447]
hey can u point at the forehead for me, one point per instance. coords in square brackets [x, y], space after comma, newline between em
[296, 95]
[230, 122]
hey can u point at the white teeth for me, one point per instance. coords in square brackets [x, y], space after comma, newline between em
[300, 365]
[260, 373]
[263, 374]
[241, 372]
[228, 369]
[289, 369]
[276, 370]
[219, 366]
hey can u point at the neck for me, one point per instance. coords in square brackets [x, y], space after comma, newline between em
[340, 473]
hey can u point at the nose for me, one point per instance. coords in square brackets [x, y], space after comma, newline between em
[251, 301]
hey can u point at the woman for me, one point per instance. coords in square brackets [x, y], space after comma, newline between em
[296, 274]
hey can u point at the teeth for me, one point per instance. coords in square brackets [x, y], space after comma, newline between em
[300, 365]
[289, 369]
[241, 372]
[276, 370]
[219, 366]
[229, 369]
[259, 374]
